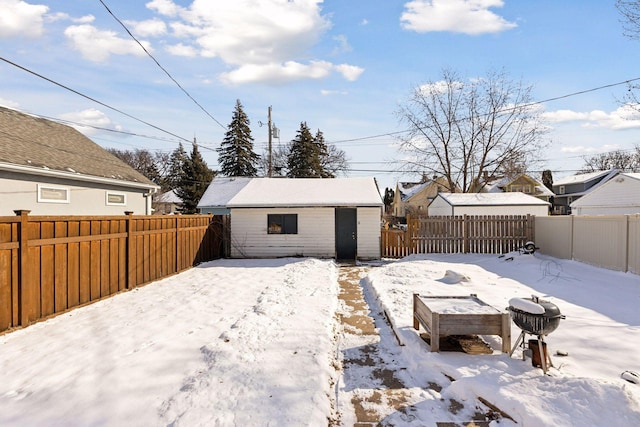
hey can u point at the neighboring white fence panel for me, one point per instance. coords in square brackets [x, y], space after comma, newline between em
[601, 241]
[634, 244]
[608, 241]
[554, 236]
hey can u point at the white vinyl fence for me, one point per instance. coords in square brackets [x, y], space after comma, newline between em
[608, 241]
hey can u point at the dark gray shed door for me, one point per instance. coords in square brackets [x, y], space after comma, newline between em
[346, 233]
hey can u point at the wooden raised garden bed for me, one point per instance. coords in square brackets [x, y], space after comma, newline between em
[459, 315]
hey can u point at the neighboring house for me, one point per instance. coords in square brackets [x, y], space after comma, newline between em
[278, 217]
[619, 195]
[455, 204]
[167, 203]
[569, 189]
[412, 198]
[521, 183]
[52, 169]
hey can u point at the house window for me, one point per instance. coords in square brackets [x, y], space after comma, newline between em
[116, 199]
[52, 194]
[561, 189]
[282, 224]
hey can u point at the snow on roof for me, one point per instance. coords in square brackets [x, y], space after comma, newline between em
[274, 192]
[169, 197]
[491, 199]
[497, 185]
[409, 189]
[583, 177]
[221, 190]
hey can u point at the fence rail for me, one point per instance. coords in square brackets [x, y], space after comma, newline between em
[49, 264]
[482, 234]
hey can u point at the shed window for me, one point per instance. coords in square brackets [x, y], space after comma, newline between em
[282, 224]
[51, 194]
[117, 199]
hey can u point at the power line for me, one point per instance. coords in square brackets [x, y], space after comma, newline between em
[569, 95]
[92, 99]
[158, 64]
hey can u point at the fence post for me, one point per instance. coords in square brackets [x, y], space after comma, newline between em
[408, 241]
[177, 243]
[130, 263]
[465, 234]
[22, 316]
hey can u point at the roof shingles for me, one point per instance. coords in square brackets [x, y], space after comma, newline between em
[40, 143]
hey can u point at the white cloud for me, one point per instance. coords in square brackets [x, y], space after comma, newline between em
[164, 7]
[9, 104]
[460, 16]
[61, 16]
[625, 117]
[364, 22]
[21, 19]
[343, 45]
[277, 73]
[326, 92]
[149, 28]
[97, 45]
[581, 149]
[349, 72]
[261, 40]
[91, 117]
[182, 50]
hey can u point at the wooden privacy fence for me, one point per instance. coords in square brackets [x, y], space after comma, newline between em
[49, 264]
[482, 234]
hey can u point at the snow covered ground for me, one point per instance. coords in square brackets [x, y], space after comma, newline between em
[255, 343]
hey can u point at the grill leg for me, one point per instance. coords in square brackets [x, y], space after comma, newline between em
[543, 357]
[518, 341]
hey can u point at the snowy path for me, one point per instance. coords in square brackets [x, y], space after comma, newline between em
[376, 387]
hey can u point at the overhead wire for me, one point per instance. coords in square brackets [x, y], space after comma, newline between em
[160, 66]
[92, 99]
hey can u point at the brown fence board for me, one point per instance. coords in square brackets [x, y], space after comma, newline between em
[49, 264]
[459, 234]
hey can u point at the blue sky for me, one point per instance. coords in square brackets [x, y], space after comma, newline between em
[341, 66]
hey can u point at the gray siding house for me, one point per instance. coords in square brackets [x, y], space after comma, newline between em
[52, 169]
[312, 217]
[569, 189]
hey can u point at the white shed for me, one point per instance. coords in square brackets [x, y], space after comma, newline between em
[277, 217]
[453, 204]
[618, 196]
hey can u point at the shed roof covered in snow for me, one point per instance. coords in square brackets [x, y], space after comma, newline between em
[491, 199]
[290, 192]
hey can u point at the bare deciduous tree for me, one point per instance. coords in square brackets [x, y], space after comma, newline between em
[625, 161]
[461, 129]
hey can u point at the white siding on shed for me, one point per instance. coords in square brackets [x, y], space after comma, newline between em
[439, 207]
[369, 233]
[316, 233]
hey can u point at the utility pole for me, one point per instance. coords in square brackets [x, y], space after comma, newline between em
[270, 171]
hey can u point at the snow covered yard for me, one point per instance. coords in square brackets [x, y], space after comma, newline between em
[601, 335]
[254, 343]
[246, 343]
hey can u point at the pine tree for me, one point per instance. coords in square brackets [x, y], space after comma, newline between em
[303, 160]
[177, 162]
[235, 155]
[322, 153]
[547, 179]
[195, 179]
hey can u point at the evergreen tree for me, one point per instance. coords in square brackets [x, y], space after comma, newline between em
[322, 153]
[177, 162]
[303, 160]
[195, 179]
[547, 179]
[235, 155]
